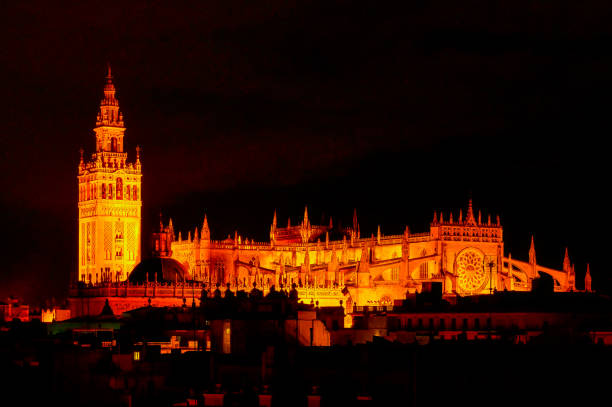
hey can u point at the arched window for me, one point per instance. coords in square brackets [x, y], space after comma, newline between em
[424, 267]
[135, 193]
[114, 145]
[119, 188]
[103, 191]
[127, 192]
[110, 191]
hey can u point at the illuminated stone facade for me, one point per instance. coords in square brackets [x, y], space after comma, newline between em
[465, 255]
[109, 200]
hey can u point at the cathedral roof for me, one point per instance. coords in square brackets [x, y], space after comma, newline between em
[164, 269]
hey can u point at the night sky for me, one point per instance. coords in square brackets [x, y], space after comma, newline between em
[241, 107]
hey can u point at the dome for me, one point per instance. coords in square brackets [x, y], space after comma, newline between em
[165, 269]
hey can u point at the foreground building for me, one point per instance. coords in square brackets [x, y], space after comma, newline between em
[329, 266]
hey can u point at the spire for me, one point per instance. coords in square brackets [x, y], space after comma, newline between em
[479, 217]
[567, 266]
[378, 235]
[171, 230]
[109, 106]
[532, 253]
[469, 219]
[435, 218]
[587, 280]
[331, 224]
[109, 122]
[273, 229]
[306, 215]
[205, 223]
[355, 223]
[460, 215]
[510, 276]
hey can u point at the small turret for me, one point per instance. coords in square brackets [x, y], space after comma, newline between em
[81, 162]
[305, 229]
[161, 239]
[470, 214]
[378, 235]
[435, 218]
[532, 252]
[356, 232]
[567, 265]
[587, 280]
[205, 229]
[510, 275]
[273, 229]
[460, 216]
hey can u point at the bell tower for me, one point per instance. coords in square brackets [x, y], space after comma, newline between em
[109, 202]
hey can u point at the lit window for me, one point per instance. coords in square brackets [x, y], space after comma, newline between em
[119, 188]
[136, 355]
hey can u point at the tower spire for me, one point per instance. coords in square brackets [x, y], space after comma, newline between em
[109, 123]
[205, 229]
[470, 214]
[587, 280]
[532, 252]
[567, 265]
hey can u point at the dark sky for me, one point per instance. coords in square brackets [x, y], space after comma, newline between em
[242, 107]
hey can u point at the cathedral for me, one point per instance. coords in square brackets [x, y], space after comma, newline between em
[462, 253]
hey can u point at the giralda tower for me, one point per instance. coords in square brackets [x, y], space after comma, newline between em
[109, 200]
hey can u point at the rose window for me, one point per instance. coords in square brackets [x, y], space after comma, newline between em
[471, 275]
